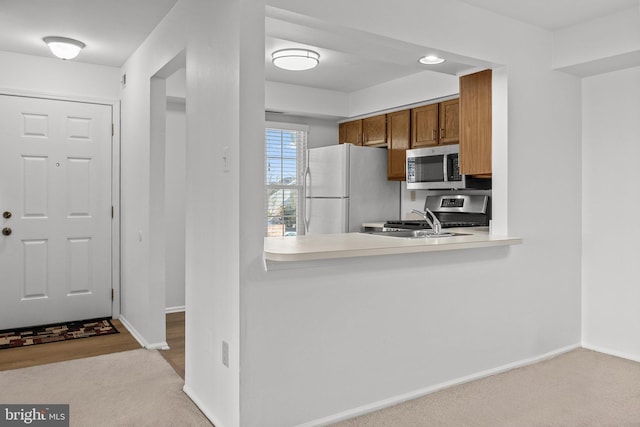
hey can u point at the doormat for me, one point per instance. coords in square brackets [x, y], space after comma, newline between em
[21, 337]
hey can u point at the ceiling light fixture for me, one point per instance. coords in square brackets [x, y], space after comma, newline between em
[63, 47]
[295, 59]
[430, 60]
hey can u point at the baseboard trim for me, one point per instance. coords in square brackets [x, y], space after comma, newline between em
[133, 331]
[138, 336]
[365, 409]
[628, 356]
[177, 309]
[214, 420]
[158, 346]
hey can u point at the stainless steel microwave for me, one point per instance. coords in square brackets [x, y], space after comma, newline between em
[436, 168]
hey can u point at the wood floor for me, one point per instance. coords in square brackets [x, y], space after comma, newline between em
[175, 339]
[22, 357]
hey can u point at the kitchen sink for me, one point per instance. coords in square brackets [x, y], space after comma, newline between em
[416, 234]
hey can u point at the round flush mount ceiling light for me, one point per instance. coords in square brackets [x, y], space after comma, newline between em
[295, 59]
[63, 47]
[430, 60]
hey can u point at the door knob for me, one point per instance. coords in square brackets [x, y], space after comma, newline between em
[6, 231]
[6, 214]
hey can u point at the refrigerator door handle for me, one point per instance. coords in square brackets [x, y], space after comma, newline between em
[304, 197]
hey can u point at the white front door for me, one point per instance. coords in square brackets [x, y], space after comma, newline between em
[55, 201]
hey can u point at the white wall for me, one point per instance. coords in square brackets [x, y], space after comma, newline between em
[403, 91]
[52, 76]
[177, 85]
[610, 176]
[604, 44]
[322, 132]
[317, 341]
[346, 334]
[305, 101]
[310, 102]
[224, 42]
[175, 177]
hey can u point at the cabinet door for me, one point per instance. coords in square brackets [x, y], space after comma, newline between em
[449, 122]
[374, 130]
[475, 123]
[424, 126]
[350, 132]
[398, 137]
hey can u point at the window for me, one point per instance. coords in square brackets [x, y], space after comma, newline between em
[284, 169]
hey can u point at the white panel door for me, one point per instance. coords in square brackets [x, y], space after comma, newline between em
[55, 198]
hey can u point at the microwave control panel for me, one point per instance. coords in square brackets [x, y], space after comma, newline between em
[411, 170]
[454, 168]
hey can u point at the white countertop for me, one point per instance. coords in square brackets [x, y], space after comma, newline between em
[347, 245]
[373, 224]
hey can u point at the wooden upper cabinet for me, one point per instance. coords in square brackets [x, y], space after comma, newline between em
[371, 131]
[475, 123]
[350, 132]
[449, 121]
[424, 129]
[374, 130]
[398, 139]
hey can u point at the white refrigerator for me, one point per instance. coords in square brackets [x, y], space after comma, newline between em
[345, 186]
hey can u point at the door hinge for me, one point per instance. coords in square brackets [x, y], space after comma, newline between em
[112, 212]
[112, 294]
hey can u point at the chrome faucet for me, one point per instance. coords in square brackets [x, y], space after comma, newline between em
[436, 226]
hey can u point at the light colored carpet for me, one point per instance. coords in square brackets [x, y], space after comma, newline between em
[131, 388]
[580, 388]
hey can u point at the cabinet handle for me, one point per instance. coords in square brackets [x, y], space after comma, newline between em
[433, 134]
[441, 133]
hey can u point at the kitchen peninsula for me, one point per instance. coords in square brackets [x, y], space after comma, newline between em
[349, 245]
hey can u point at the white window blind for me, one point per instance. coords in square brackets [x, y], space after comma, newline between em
[284, 168]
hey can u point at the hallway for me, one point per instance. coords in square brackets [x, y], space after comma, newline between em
[23, 357]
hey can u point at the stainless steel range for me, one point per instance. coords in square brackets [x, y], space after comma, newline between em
[453, 210]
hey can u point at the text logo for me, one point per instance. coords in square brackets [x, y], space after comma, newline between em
[34, 415]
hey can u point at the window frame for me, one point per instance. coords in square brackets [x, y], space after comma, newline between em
[301, 161]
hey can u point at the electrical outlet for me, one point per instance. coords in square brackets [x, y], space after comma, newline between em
[225, 353]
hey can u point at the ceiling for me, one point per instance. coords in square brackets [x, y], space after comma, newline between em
[553, 14]
[111, 29]
[350, 60]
